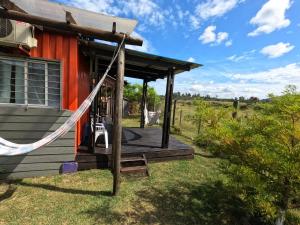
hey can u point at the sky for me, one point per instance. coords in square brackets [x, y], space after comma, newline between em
[248, 47]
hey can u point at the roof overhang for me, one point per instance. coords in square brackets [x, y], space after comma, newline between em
[138, 64]
[53, 10]
[69, 19]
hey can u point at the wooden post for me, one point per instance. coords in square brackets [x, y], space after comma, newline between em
[143, 104]
[95, 105]
[93, 83]
[167, 113]
[180, 118]
[199, 126]
[174, 112]
[117, 126]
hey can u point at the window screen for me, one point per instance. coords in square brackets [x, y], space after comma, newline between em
[30, 82]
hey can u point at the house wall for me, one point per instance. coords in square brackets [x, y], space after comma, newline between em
[24, 126]
[21, 125]
[76, 71]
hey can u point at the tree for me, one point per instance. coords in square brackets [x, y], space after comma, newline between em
[262, 155]
[134, 92]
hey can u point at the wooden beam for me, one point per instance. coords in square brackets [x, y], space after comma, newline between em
[168, 107]
[132, 74]
[143, 104]
[117, 124]
[74, 28]
[8, 5]
[138, 69]
[69, 18]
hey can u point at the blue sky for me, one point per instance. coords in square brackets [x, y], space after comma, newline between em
[248, 47]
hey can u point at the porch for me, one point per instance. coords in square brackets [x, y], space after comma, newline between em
[136, 142]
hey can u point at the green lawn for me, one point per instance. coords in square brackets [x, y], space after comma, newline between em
[172, 195]
[178, 192]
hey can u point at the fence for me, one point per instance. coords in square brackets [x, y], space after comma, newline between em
[180, 123]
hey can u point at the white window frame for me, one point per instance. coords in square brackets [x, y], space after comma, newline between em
[26, 61]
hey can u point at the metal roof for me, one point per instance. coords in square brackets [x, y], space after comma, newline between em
[137, 64]
[56, 11]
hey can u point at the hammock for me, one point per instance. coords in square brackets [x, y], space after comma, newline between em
[8, 148]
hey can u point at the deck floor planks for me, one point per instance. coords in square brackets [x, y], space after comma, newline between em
[138, 141]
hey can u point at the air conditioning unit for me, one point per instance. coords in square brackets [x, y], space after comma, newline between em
[15, 33]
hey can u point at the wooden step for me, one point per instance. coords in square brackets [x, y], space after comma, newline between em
[132, 159]
[135, 165]
[134, 169]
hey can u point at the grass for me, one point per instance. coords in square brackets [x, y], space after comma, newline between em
[167, 197]
[178, 192]
[170, 196]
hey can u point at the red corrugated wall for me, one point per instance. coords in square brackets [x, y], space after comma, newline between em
[55, 46]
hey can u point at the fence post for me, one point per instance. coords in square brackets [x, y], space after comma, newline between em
[174, 113]
[180, 118]
[199, 126]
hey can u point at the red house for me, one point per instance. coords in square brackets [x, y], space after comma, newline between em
[49, 63]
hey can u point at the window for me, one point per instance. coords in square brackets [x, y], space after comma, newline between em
[30, 82]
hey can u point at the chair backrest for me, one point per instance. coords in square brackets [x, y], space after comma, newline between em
[154, 117]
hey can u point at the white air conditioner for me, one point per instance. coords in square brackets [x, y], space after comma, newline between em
[15, 33]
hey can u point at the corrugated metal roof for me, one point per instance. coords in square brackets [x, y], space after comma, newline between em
[138, 64]
[56, 11]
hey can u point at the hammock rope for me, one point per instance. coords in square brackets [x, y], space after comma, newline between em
[8, 148]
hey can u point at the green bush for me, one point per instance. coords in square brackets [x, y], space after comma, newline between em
[262, 155]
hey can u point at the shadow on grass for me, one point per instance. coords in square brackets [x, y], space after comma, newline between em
[182, 203]
[104, 214]
[8, 192]
[64, 190]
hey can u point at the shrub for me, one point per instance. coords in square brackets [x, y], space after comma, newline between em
[262, 155]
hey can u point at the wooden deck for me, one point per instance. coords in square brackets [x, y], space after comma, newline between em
[136, 142]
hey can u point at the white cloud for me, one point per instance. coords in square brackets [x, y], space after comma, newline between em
[258, 84]
[215, 8]
[222, 36]
[191, 59]
[228, 43]
[271, 17]
[147, 9]
[103, 6]
[147, 47]
[244, 56]
[194, 22]
[210, 36]
[284, 75]
[229, 90]
[277, 50]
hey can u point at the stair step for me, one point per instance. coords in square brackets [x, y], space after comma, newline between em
[132, 159]
[134, 169]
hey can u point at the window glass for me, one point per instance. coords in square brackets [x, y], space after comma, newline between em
[30, 82]
[36, 83]
[12, 82]
[54, 84]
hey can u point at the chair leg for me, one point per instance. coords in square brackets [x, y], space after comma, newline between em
[106, 139]
[96, 137]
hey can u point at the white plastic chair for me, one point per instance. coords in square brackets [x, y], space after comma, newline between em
[151, 118]
[100, 130]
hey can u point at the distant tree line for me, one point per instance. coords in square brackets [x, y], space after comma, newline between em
[189, 96]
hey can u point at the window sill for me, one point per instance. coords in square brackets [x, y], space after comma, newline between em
[13, 105]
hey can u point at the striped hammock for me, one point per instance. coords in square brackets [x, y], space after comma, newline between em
[8, 148]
